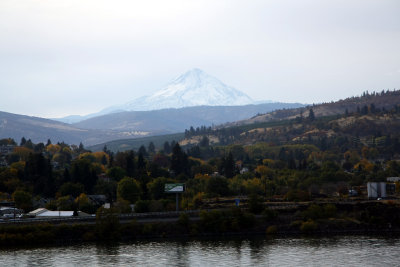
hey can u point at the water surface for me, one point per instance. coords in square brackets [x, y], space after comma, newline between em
[335, 251]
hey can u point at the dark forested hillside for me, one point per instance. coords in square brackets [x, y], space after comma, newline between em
[384, 100]
[376, 128]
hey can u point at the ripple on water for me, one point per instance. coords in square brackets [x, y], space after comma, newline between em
[336, 251]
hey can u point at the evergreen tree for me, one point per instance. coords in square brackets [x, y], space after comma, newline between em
[130, 163]
[39, 174]
[173, 143]
[179, 160]
[84, 173]
[229, 166]
[142, 150]
[141, 164]
[39, 148]
[66, 176]
[29, 144]
[81, 148]
[23, 141]
[104, 160]
[205, 142]
[151, 148]
[111, 162]
[167, 147]
[311, 115]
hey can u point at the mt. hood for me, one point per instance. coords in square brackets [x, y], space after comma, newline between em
[193, 88]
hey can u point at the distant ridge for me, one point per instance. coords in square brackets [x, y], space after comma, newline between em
[177, 120]
[126, 125]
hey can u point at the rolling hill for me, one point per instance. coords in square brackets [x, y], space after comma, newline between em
[167, 121]
[40, 130]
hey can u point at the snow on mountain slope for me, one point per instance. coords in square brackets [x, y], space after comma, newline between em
[194, 88]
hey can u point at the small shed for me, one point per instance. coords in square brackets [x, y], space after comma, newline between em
[376, 190]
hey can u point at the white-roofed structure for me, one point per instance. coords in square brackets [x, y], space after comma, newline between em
[45, 213]
[51, 213]
[37, 211]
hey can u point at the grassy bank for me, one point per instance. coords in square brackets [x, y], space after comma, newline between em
[313, 218]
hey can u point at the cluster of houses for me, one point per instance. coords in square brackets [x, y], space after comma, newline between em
[9, 211]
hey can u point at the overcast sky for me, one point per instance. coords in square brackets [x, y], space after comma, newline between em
[77, 57]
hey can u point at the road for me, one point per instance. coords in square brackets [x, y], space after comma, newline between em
[170, 216]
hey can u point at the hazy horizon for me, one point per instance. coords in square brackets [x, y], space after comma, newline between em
[78, 57]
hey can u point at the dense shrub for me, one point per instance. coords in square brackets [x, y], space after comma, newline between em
[256, 205]
[272, 230]
[269, 214]
[142, 206]
[309, 226]
[107, 224]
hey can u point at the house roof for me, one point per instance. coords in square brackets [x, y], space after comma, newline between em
[6, 208]
[37, 211]
[51, 213]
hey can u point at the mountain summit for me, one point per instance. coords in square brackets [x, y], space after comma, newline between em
[193, 88]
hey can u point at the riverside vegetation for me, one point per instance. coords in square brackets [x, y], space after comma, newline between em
[353, 218]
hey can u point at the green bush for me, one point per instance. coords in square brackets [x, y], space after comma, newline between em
[128, 189]
[313, 212]
[122, 206]
[217, 186]
[107, 224]
[131, 229]
[272, 230]
[309, 226]
[213, 221]
[297, 195]
[156, 206]
[256, 205]
[243, 220]
[330, 211]
[183, 220]
[269, 214]
[142, 206]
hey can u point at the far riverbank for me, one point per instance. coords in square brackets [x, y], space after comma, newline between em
[320, 219]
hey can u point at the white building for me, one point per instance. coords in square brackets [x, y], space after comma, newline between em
[45, 213]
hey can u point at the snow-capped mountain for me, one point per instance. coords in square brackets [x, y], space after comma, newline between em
[193, 88]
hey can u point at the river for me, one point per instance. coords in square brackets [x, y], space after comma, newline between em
[332, 251]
